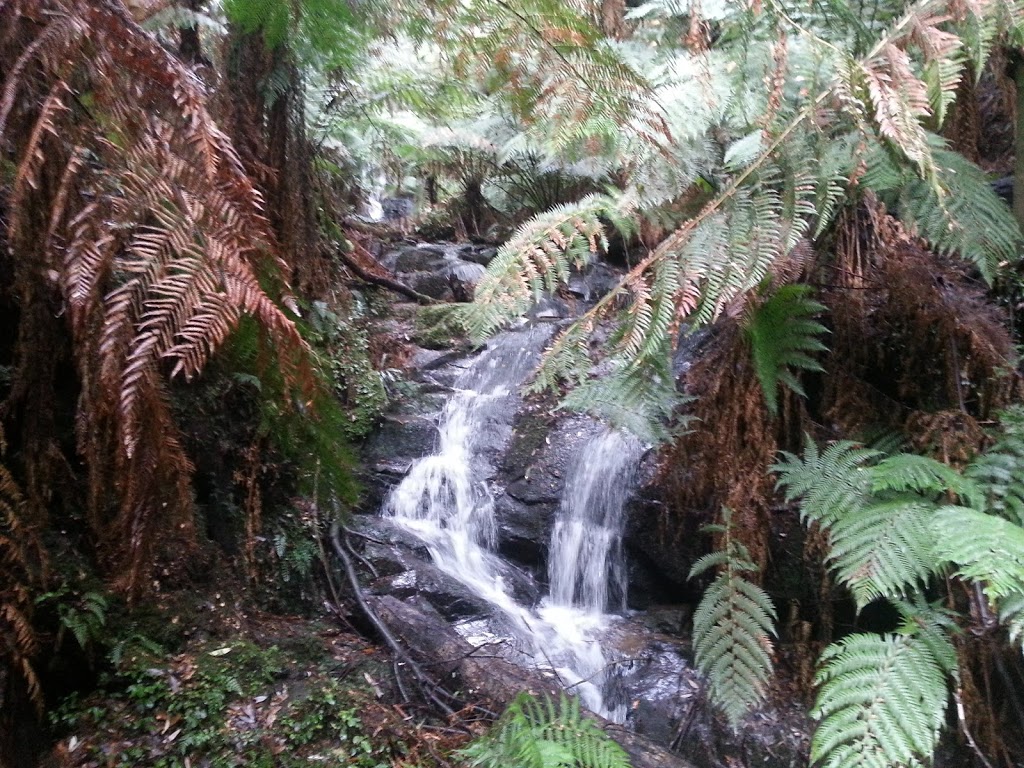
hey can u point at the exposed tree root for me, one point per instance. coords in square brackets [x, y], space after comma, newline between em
[433, 691]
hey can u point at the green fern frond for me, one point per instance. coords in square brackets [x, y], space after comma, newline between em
[638, 398]
[1011, 616]
[912, 473]
[832, 483]
[882, 700]
[545, 733]
[1000, 469]
[538, 258]
[957, 212]
[883, 549]
[322, 33]
[985, 549]
[732, 630]
[783, 334]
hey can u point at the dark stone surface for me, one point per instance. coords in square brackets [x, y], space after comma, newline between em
[404, 567]
[524, 530]
[395, 208]
[594, 281]
[414, 258]
[482, 255]
[462, 277]
[433, 284]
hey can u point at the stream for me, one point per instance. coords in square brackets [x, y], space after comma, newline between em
[445, 500]
[533, 535]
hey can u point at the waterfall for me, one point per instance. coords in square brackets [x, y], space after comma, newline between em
[585, 566]
[445, 500]
[441, 498]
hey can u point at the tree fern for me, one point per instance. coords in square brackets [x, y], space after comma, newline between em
[783, 334]
[541, 732]
[732, 629]
[882, 699]
[1011, 616]
[782, 181]
[538, 258]
[830, 483]
[908, 472]
[984, 548]
[157, 238]
[1000, 469]
[883, 549]
[879, 517]
[956, 211]
[20, 551]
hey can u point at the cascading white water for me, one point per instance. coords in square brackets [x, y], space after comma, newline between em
[445, 500]
[440, 499]
[586, 567]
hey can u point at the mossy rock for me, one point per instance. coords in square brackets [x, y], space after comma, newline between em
[439, 327]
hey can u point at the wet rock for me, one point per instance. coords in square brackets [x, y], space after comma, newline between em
[596, 279]
[378, 538]
[550, 308]
[415, 258]
[482, 255]
[403, 566]
[433, 284]
[397, 208]
[391, 450]
[524, 530]
[402, 437]
[448, 596]
[661, 560]
[775, 735]
[462, 278]
[540, 488]
[419, 259]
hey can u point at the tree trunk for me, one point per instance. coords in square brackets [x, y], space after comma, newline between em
[1018, 167]
[613, 19]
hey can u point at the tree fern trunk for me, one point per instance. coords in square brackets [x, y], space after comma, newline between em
[1018, 168]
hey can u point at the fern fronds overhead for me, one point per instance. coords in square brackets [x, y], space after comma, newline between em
[784, 180]
[732, 629]
[882, 700]
[538, 258]
[542, 732]
[956, 210]
[638, 399]
[783, 333]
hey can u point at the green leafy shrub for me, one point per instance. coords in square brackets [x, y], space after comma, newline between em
[222, 705]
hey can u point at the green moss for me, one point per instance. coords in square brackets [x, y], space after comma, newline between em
[439, 327]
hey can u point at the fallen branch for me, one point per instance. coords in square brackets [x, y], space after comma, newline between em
[383, 281]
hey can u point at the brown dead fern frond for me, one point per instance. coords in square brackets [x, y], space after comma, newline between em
[127, 189]
[20, 556]
[724, 459]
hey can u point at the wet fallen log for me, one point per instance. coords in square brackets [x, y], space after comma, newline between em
[487, 678]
